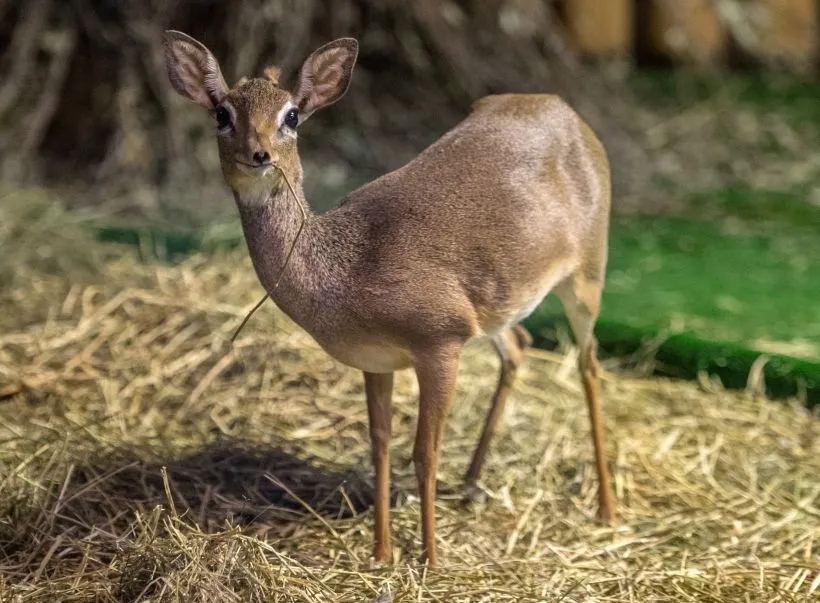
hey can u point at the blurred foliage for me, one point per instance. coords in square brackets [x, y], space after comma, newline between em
[794, 97]
[85, 93]
[85, 103]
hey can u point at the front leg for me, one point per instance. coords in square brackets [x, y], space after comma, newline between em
[378, 388]
[436, 370]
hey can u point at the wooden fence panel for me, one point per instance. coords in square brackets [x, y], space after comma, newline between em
[601, 27]
[687, 31]
[696, 31]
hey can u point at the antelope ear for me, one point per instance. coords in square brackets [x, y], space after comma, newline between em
[325, 76]
[193, 70]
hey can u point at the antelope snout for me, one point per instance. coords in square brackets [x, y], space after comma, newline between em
[261, 158]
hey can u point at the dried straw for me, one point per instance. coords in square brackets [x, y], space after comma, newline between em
[142, 458]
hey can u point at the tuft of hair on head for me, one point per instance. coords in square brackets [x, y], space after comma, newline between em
[273, 73]
[241, 81]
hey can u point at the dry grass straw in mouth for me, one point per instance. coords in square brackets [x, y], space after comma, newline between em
[295, 199]
[143, 458]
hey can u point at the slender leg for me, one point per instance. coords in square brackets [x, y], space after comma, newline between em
[510, 345]
[436, 370]
[379, 389]
[581, 298]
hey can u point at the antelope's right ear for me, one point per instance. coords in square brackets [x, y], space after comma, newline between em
[193, 70]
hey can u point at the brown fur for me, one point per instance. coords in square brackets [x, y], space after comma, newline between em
[463, 241]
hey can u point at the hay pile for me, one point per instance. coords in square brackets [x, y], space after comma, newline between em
[144, 459]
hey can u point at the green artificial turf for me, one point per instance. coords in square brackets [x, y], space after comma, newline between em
[747, 272]
[711, 292]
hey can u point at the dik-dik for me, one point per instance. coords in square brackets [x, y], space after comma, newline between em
[462, 242]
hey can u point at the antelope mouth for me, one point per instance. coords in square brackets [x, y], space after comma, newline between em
[259, 169]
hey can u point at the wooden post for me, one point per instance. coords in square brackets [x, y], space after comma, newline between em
[688, 31]
[601, 28]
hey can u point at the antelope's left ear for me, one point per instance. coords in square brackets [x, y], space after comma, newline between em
[325, 76]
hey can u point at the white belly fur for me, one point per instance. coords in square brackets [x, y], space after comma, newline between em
[371, 357]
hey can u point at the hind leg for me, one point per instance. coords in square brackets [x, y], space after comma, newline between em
[510, 345]
[581, 297]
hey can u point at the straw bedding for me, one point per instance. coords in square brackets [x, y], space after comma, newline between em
[143, 458]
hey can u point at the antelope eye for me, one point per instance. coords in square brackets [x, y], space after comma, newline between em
[223, 117]
[292, 118]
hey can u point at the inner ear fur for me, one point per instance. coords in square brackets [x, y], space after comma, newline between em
[325, 75]
[193, 70]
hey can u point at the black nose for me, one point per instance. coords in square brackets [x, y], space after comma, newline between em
[261, 157]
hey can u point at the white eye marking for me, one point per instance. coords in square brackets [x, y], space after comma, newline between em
[232, 112]
[280, 119]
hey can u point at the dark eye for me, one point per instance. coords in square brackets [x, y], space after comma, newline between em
[223, 117]
[292, 118]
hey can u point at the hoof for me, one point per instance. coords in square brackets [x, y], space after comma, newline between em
[606, 514]
[523, 337]
[473, 494]
[429, 560]
[378, 561]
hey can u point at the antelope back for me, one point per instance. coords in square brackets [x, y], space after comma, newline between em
[504, 206]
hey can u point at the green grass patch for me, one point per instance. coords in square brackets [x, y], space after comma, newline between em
[791, 96]
[736, 279]
[746, 272]
[785, 213]
[165, 244]
[707, 277]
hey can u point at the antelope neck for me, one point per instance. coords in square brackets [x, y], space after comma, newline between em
[270, 227]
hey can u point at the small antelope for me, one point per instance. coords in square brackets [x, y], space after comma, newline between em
[464, 241]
